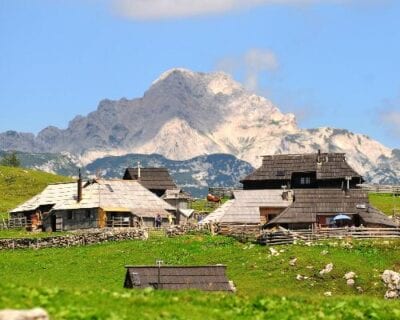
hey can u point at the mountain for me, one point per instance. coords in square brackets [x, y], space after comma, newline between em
[194, 175]
[187, 114]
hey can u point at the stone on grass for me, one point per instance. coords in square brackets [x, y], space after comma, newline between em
[33, 314]
[392, 282]
[350, 282]
[328, 268]
[273, 252]
[350, 275]
[293, 262]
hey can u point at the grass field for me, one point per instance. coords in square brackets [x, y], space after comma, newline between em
[18, 185]
[86, 282]
[385, 202]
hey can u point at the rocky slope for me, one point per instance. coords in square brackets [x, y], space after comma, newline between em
[186, 114]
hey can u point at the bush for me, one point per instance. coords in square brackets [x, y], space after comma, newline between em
[10, 160]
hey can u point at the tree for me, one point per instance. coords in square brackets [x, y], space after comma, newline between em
[10, 160]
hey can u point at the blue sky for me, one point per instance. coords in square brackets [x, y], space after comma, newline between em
[333, 62]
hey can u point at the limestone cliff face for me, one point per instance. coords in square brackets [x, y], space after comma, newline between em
[185, 114]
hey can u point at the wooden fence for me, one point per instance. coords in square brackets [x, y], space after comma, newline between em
[393, 189]
[284, 236]
[15, 223]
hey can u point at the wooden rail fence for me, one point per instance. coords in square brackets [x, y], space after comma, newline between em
[15, 223]
[284, 236]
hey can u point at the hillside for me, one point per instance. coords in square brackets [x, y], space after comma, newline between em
[194, 175]
[266, 285]
[18, 185]
[186, 114]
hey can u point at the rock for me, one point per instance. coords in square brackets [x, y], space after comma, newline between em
[300, 277]
[273, 252]
[75, 238]
[34, 314]
[293, 262]
[328, 294]
[328, 268]
[324, 252]
[359, 289]
[232, 286]
[350, 282]
[392, 282]
[350, 275]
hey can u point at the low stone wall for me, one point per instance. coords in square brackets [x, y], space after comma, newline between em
[179, 230]
[76, 239]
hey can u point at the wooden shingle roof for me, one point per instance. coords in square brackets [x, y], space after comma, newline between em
[151, 178]
[310, 203]
[110, 195]
[207, 278]
[245, 207]
[281, 166]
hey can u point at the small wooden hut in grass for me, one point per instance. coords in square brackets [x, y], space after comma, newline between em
[207, 278]
[97, 203]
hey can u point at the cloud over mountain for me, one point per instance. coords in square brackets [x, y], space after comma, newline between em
[169, 9]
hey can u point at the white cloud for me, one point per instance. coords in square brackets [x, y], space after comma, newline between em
[391, 118]
[169, 9]
[389, 115]
[252, 64]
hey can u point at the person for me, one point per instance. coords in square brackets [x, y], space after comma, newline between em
[170, 219]
[158, 221]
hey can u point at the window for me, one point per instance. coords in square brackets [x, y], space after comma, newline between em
[69, 214]
[305, 180]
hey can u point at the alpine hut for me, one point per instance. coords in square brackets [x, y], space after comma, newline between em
[157, 180]
[97, 203]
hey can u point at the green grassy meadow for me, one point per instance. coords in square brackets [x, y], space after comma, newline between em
[18, 185]
[86, 282]
[384, 202]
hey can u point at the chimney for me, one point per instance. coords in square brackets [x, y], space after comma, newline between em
[79, 197]
[319, 156]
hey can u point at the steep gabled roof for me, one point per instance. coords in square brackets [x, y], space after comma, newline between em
[151, 178]
[51, 195]
[110, 195]
[245, 207]
[172, 194]
[309, 203]
[281, 166]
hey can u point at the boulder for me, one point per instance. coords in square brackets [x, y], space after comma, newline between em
[33, 314]
[392, 282]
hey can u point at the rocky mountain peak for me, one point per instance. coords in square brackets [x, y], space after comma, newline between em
[185, 114]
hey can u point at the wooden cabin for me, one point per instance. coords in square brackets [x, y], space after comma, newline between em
[94, 204]
[157, 180]
[303, 171]
[300, 191]
[318, 207]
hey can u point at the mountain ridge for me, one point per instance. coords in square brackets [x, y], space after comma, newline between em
[185, 114]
